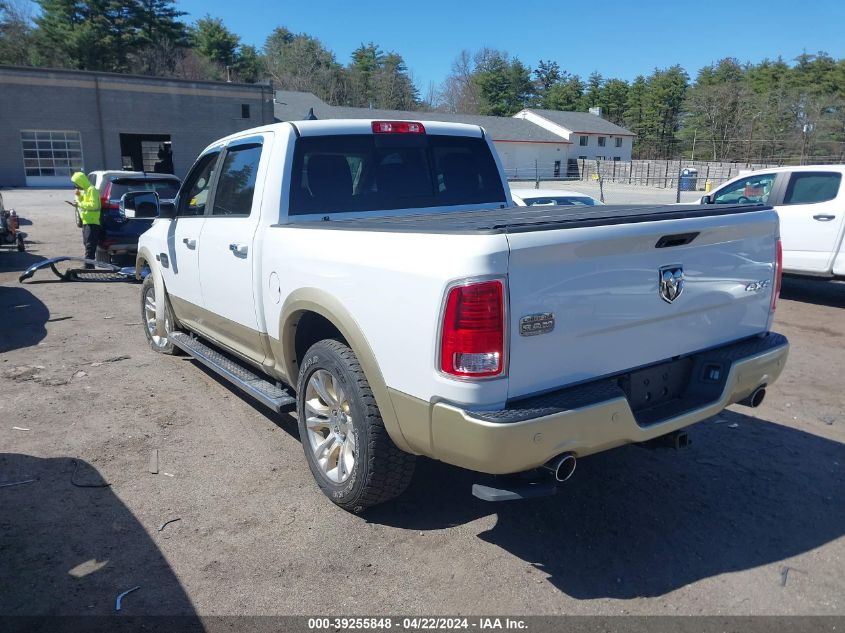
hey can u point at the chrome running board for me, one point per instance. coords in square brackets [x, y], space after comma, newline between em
[244, 379]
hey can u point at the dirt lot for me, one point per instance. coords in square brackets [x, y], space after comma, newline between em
[749, 520]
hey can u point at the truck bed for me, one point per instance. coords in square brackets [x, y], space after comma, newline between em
[527, 219]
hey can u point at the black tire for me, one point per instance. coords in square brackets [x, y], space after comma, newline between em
[21, 244]
[102, 255]
[381, 470]
[162, 345]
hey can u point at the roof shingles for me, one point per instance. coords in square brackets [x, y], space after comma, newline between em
[294, 106]
[581, 122]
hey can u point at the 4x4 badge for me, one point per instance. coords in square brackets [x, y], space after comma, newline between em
[671, 282]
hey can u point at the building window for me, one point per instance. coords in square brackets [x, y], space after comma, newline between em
[602, 141]
[599, 157]
[244, 110]
[51, 152]
[582, 158]
[618, 142]
[584, 140]
[616, 158]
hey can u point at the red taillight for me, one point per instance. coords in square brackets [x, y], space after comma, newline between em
[778, 274]
[473, 340]
[104, 199]
[397, 127]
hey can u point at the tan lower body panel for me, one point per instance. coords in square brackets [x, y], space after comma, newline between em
[250, 345]
[453, 435]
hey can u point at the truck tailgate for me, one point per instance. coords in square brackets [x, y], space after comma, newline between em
[601, 286]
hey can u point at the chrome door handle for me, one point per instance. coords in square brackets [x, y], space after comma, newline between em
[824, 218]
[189, 242]
[238, 249]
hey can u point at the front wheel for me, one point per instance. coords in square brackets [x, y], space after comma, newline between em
[157, 342]
[348, 450]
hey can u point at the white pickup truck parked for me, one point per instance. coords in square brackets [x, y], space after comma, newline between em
[378, 271]
[810, 201]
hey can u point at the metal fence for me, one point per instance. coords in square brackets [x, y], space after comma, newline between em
[667, 174]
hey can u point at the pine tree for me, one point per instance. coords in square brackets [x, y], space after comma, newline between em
[214, 41]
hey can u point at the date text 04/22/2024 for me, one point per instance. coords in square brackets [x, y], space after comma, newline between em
[416, 623]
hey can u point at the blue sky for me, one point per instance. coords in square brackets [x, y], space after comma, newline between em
[618, 38]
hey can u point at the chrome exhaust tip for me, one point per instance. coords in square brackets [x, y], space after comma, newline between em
[561, 466]
[755, 399]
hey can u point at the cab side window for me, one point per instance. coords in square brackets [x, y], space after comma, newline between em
[197, 186]
[236, 185]
[812, 187]
[753, 189]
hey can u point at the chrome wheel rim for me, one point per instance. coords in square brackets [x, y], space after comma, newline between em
[150, 318]
[329, 426]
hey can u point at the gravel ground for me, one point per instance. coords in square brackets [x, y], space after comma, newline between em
[748, 520]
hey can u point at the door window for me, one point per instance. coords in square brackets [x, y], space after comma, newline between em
[236, 184]
[753, 189]
[197, 186]
[812, 187]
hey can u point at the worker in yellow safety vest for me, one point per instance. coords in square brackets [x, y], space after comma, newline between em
[88, 205]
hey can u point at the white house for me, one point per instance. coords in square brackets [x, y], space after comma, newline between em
[526, 150]
[592, 137]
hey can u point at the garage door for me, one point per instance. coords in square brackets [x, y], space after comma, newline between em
[51, 156]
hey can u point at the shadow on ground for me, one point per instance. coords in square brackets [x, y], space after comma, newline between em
[22, 318]
[639, 523]
[69, 550]
[820, 292]
[13, 261]
[635, 522]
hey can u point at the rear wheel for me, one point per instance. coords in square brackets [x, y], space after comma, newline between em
[157, 342]
[348, 450]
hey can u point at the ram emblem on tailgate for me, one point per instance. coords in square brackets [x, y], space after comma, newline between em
[671, 282]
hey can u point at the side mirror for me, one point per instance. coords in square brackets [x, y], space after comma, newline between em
[139, 204]
[706, 200]
[144, 205]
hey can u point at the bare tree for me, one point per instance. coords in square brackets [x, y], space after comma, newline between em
[459, 92]
[722, 112]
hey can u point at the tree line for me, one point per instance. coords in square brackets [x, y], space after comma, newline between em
[151, 37]
[771, 111]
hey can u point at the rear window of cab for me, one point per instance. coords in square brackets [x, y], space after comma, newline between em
[373, 172]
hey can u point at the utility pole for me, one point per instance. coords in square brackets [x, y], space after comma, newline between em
[805, 134]
[751, 139]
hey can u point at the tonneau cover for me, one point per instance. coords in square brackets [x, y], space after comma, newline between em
[524, 219]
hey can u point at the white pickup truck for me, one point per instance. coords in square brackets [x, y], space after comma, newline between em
[810, 201]
[378, 271]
